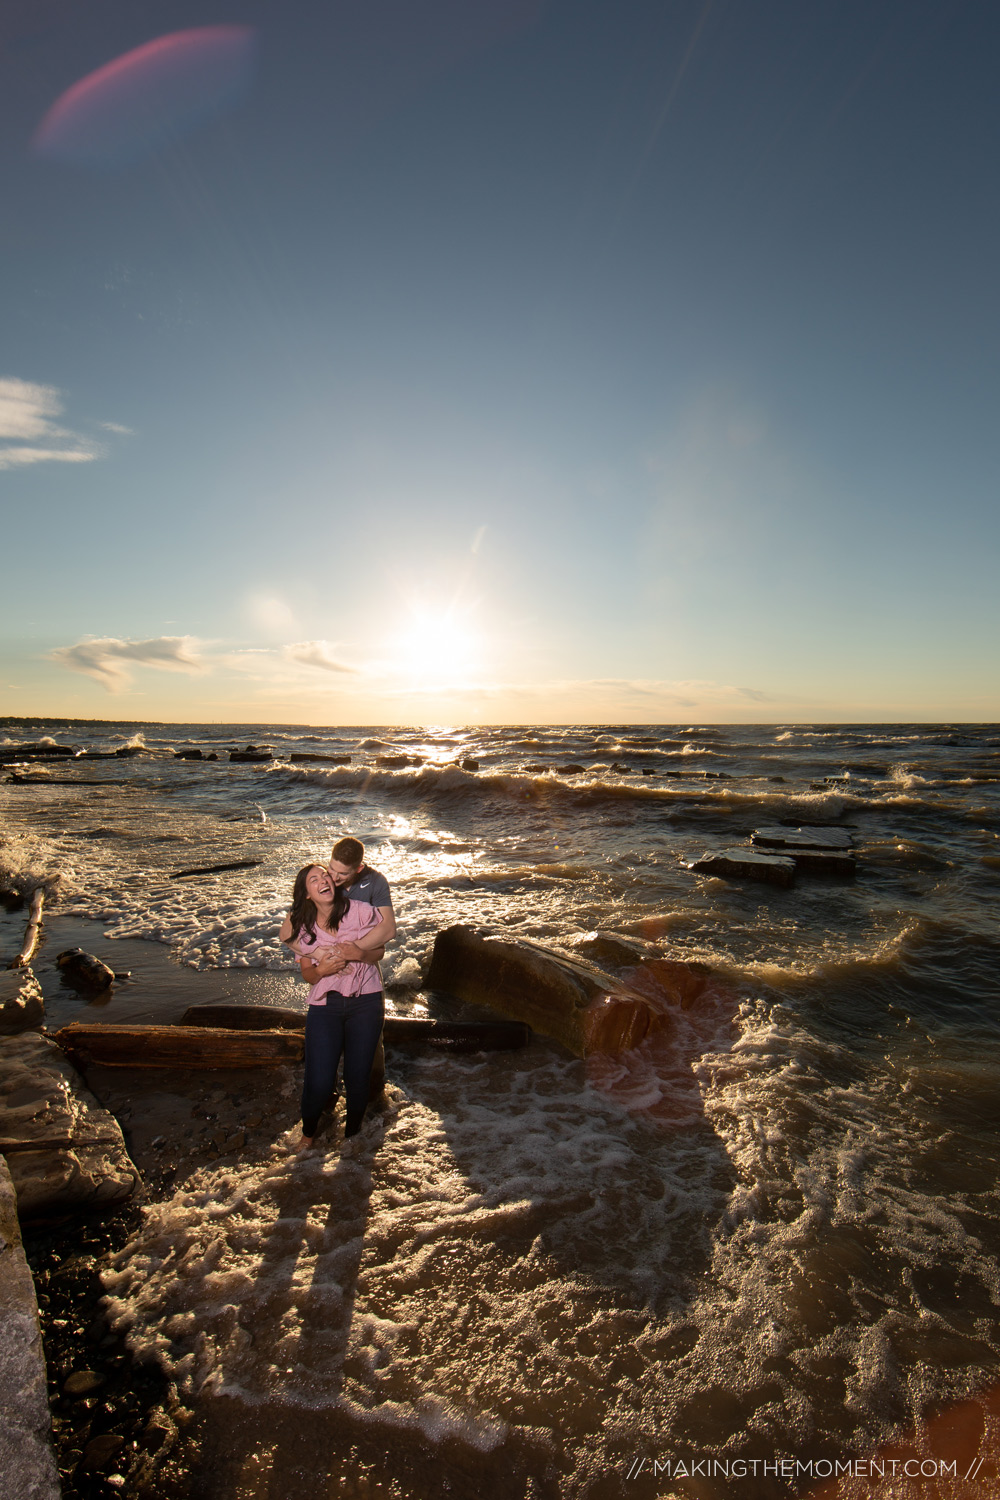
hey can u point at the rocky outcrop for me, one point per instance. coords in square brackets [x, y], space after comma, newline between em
[64, 1152]
[27, 1467]
[21, 1003]
[565, 998]
[818, 851]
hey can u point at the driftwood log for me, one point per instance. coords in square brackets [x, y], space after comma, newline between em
[245, 1017]
[177, 1046]
[398, 1031]
[32, 931]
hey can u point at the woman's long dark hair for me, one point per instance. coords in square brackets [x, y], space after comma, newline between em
[304, 914]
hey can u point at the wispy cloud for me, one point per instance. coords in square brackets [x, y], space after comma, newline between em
[109, 660]
[316, 654]
[117, 428]
[604, 694]
[29, 431]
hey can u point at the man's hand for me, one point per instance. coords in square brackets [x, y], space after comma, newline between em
[353, 953]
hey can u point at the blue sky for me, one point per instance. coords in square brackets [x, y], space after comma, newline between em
[508, 361]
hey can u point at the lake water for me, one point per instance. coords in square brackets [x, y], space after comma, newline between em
[779, 1238]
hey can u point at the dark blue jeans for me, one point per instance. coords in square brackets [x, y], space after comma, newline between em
[347, 1026]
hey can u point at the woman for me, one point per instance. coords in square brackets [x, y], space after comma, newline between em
[346, 1004]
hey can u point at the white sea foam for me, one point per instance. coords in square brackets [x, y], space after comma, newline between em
[29, 860]
[526, 1252]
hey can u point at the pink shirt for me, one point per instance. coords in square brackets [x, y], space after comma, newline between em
[358, 978]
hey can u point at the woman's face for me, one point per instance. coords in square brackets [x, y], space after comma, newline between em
[319, 886]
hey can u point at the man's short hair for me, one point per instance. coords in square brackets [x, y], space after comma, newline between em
[349, 852]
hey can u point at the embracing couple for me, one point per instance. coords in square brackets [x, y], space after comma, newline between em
[340, 920]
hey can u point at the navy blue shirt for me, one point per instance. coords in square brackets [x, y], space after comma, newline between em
[370, 886]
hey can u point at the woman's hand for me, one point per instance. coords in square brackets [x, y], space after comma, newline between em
[333, 961]
[330, 961]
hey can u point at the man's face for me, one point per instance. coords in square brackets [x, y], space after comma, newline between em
[342, 874]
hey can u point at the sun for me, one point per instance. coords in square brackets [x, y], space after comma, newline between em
[437, 648]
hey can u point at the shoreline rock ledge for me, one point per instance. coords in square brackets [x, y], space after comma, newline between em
[65, 1152]
[564, 998]
[22, 1007]
[27, 1465]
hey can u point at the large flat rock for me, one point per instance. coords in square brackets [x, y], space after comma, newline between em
[796, 839]
[64, 1151]
[27, 1467]
[746, 864]
[565, 998]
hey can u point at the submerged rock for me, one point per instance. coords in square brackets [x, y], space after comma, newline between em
[27, 1467]
[824, 861]
[64, 1151]
[746, 864]
[308, 757]
[612, 949]
[21, 1004]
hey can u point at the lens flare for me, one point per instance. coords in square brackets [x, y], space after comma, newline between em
[149, 97]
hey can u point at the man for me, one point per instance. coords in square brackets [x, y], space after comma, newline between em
[347, 868]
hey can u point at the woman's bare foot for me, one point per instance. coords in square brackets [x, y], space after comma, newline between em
[305, 1142]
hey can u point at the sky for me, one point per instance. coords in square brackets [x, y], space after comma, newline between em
[446, 361]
